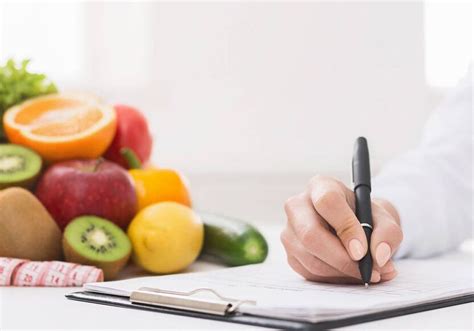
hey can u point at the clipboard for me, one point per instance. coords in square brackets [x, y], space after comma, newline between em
[224, 309]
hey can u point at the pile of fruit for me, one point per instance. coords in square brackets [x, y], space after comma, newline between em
[73, 187]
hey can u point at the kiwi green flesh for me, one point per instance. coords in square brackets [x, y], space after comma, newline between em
[97, 239]
[18, 165]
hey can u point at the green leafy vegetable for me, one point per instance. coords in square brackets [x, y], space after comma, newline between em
[18, 84]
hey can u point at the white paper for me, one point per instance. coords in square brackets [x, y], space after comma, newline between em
[279, 292]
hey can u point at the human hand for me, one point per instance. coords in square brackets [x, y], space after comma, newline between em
[324, 240]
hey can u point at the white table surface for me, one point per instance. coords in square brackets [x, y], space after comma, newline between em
[252, 197]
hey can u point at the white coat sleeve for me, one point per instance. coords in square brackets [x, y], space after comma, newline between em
[431, 187]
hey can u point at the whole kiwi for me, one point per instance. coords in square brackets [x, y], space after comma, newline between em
[27, 230]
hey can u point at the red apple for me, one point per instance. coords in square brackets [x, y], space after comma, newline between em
[132, 132]
[88, 187]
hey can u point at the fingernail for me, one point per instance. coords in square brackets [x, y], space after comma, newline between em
[383, 253]
[356, 248]
[375, 277]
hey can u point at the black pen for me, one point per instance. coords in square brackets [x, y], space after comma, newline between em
[362, 188]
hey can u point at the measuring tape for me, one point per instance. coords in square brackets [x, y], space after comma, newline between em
[19, 272]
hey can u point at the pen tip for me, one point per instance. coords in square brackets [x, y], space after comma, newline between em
[366, 285]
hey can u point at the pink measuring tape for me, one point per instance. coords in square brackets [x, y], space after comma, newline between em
[18, 272]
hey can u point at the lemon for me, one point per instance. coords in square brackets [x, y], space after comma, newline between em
[166, 237]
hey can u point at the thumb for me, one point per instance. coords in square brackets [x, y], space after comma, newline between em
[352, 235]
[329, 200]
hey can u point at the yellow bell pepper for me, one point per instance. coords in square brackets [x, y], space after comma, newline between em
[156, 185]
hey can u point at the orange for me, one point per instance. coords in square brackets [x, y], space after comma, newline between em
[158, 185]
[62, 126]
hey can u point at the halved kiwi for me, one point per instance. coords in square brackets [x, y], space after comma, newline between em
[92, 240]
[19, 166]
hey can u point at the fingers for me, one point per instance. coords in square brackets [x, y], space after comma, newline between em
[314, 265]
[298, 267]
[310, 262]
[316, 239]
[387, 272]
[386, 237]
[329, 198]
[389, 276]
[314, 269]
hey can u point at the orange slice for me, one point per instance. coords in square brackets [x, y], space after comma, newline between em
[62, 126]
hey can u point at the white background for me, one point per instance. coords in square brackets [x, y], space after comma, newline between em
[254, 87]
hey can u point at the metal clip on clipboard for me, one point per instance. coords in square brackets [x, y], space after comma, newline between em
[187, 300]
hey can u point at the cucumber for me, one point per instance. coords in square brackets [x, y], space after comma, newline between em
[232, 242]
